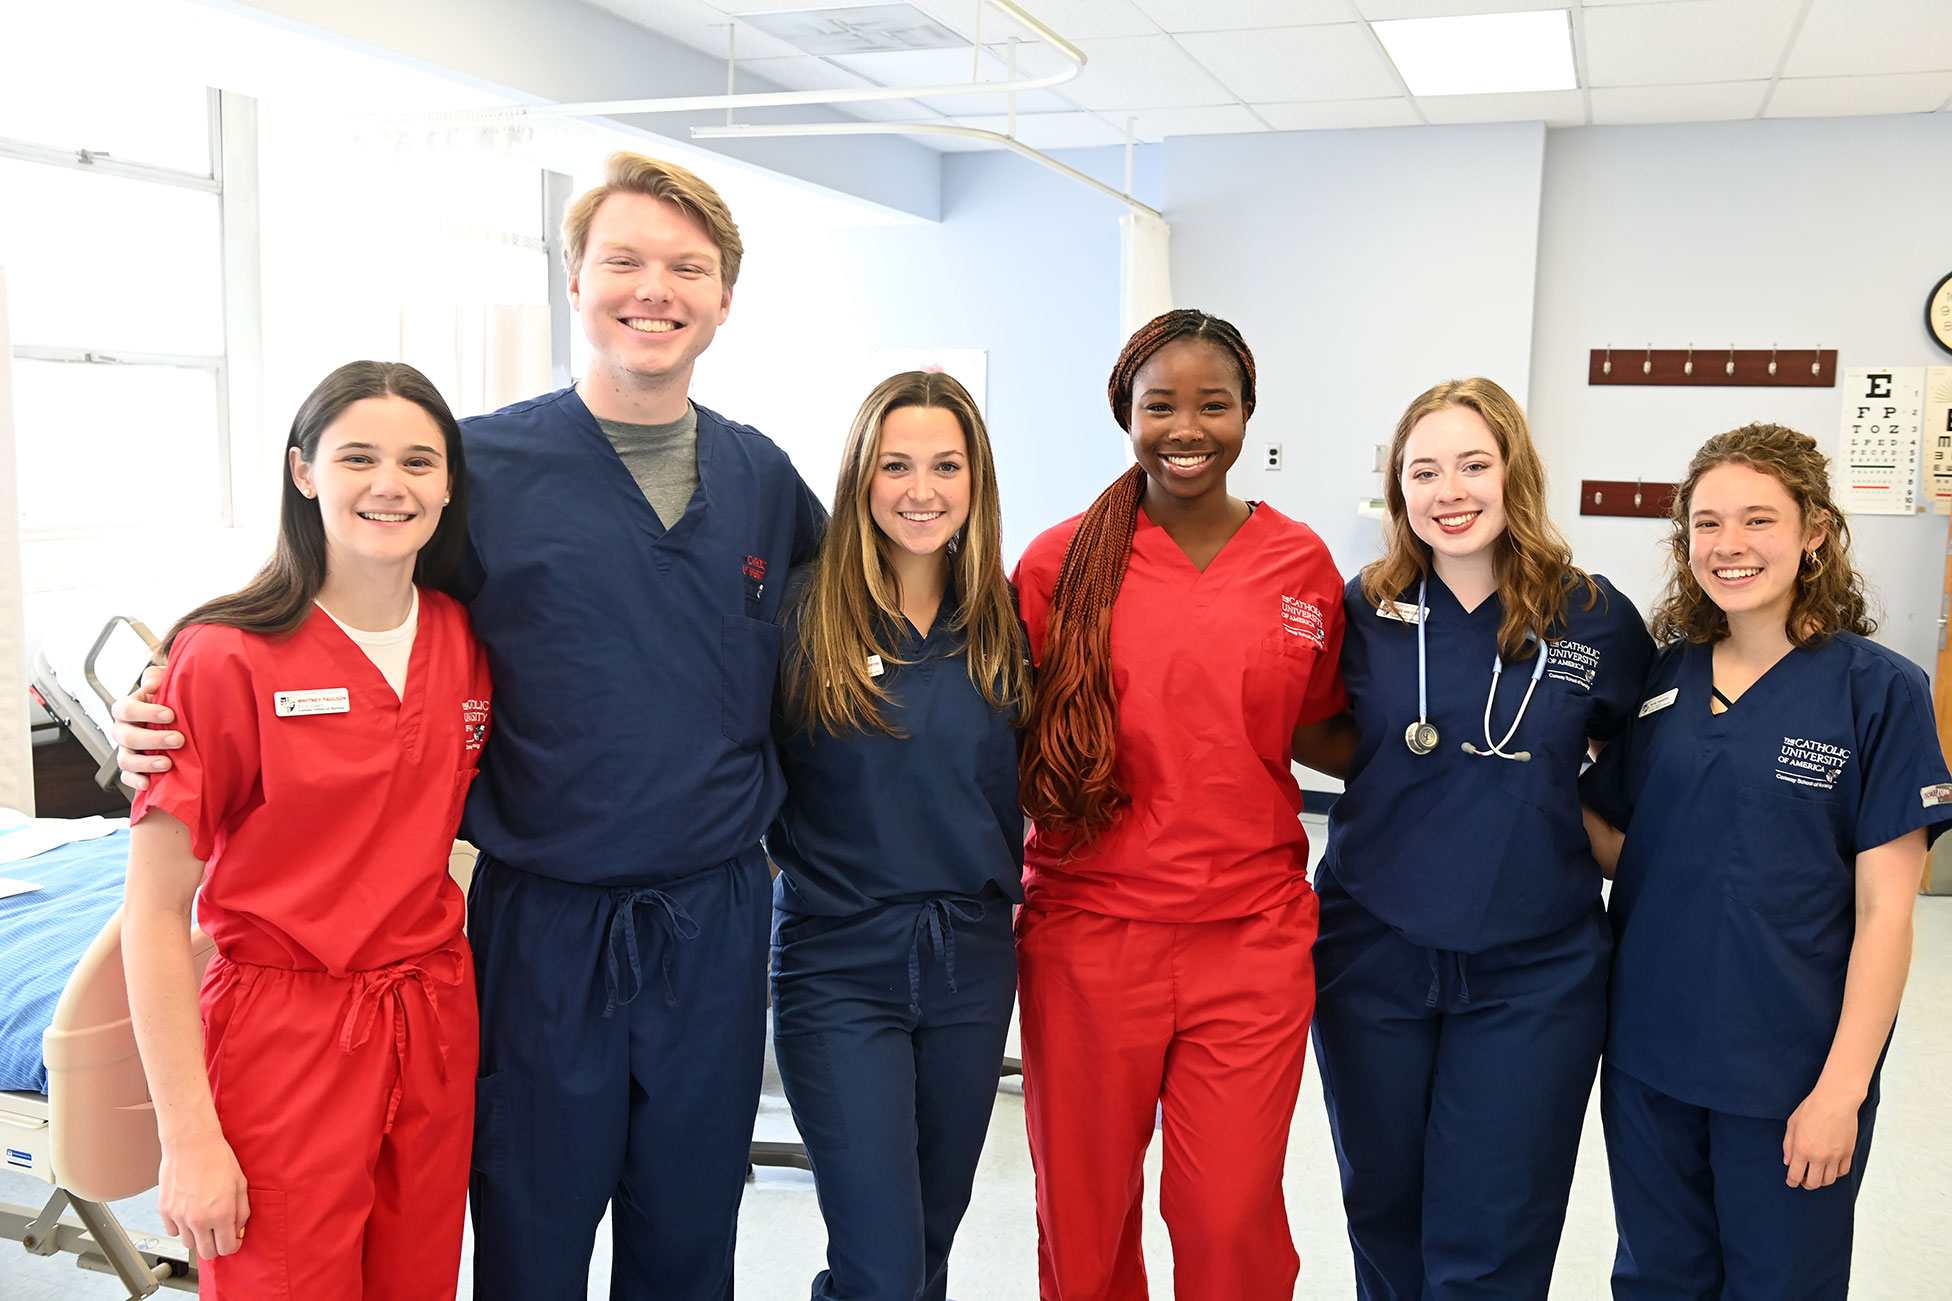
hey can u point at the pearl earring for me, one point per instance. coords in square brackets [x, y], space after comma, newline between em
[446, 500]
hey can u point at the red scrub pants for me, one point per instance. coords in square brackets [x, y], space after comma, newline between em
[349, 1102]
[1209, 1020]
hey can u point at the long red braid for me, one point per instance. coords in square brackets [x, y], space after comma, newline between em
[1071, 745]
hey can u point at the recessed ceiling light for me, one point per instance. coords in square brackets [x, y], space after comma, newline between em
[1482, 54]
[858, 29]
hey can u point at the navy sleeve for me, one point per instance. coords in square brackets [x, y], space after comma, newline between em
[1905, 781]
[465, 583]
[809, 523]
[1626, 654]
[1605, 788]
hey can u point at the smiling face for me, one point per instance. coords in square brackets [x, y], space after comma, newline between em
[1453, 481]
[380, 476]
[919, 495]
[650, 290]
[1746, 539]
[1188, 422]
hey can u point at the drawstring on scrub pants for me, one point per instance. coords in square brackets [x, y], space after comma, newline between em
[936, 921]
[623, 935]
[372, 989]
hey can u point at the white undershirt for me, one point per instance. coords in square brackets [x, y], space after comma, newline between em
[389, 650]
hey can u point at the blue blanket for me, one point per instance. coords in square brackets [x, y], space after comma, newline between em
[43, 934]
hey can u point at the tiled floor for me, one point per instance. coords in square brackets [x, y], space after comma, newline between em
[1904, 1219]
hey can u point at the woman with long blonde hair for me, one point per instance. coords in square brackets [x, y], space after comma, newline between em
[1778, 792]
[900, 842]
[1462, 963]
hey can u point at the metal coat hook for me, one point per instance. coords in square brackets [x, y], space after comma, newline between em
[1731, 361]
[1816, 364]
[1647, 367]
[1607, 369]
[1688, 369]
[1772, 359]
[1636, 494]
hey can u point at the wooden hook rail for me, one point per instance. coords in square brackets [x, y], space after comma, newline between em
[1715, 367]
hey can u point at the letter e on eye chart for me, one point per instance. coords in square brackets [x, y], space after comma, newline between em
[1880, 440]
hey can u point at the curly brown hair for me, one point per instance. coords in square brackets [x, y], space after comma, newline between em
[1830, 595]
[1535, 572]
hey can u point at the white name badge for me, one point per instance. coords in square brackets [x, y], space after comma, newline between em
[1404, 610]
[874, 666]
[1654, 704]
[324, 700]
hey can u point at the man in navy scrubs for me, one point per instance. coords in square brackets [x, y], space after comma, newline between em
[630, 550]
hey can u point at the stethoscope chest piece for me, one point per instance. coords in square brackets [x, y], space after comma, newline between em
[1421, 737]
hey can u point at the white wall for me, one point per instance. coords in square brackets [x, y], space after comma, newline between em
[1363, 267]
[1798, 232]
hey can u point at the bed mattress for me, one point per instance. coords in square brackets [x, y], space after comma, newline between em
[43, 934]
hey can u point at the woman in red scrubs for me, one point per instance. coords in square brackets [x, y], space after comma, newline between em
[335, 711]
[1186, 642]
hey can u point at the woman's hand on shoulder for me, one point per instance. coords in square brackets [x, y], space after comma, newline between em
[203, 1196]
[138, 733]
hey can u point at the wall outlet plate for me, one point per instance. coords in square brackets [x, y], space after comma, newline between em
[1270, 456]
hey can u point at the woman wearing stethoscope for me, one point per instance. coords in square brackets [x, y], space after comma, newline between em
[1462, 961]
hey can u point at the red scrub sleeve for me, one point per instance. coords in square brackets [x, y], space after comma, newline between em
[214, 780]
[1326, 695]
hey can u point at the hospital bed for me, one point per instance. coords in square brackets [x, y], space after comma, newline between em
[76, 687]
[74, 1106]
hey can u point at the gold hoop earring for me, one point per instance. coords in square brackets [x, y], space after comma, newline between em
[1816, 564]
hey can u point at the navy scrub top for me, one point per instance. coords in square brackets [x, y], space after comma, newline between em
[872, 819]
[1466, 852]
[634, 665]
[1735, 901]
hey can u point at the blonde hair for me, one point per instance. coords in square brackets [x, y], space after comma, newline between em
[628, 173]
[853, 602]
[1830, 594]
[1533, 561]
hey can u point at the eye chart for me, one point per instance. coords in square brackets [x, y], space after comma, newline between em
[1938, 436]
[1876, 471]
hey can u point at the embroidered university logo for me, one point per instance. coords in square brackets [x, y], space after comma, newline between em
[474, 723]
[1803, 762]
[1300, 619]
[1574, 662]
[755, 569]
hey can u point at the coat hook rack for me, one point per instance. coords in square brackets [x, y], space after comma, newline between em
[1629, 498]
[1771, 367]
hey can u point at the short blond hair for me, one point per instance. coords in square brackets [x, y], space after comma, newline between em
[628, 173]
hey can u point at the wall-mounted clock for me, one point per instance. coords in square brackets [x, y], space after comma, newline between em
[1938, 313]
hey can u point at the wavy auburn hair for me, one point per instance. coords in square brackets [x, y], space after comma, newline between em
[1071, 747]
[853, 603]
[1830, 595]
[1533, 562]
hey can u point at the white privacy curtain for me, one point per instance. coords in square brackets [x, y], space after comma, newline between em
[16, 747]
[1145, 273]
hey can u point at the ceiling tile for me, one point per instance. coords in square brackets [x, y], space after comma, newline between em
[802, 72]
[1074, 20]
[1339, 114]
[1294, 64]
[1842, 37]
[1226, 119]
[1899, 92]
[1719, 102]
[1378, 10]
[1054, 130]
[700, 26]
[1142, 72]
[1235, 15]
[1553, 107]
[1686, 42]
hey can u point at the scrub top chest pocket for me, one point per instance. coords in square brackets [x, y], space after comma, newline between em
[749, 662]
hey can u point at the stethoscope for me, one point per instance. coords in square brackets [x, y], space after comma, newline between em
[1421, 736]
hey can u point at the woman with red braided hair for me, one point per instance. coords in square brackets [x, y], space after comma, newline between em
[1186, 642]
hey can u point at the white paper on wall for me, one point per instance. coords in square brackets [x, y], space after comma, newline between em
[1876, 471]
[1938, 437]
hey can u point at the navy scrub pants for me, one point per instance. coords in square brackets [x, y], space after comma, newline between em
[1457, 1086]
[888, 1030]
[622, 1044]
[1703, 1208]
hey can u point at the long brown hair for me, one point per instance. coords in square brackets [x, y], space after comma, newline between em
[1830, 595]
[280, 597]
[1071, 746]
[853, 602]
[1533, 562]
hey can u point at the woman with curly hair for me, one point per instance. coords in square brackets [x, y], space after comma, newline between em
[1186, 643]
[1463, 957]
[1777, 794]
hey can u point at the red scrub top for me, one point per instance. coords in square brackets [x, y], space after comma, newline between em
[1214, 671]
[325, 835]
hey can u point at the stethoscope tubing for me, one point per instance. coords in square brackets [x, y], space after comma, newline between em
[1497, 748]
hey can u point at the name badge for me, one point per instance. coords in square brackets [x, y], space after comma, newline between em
[324, 700]
[874, 666]
[1404, 610]
[1655, 704]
